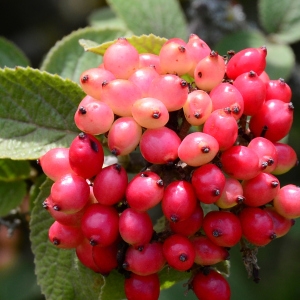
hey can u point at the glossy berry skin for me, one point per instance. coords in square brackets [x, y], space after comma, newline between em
[191, 225]
[142, 287]
[149, 60]
[100, 224]
[63, 236]
[94, 118]
[253, 91]
[70, 194]
[260, 190]
[211, 286]
[55, 163]
[179, 201]
[209, 71]
[222, 227]
[197, 107]
[105, 258]
[240, 162]
[169, 89]
[179, 252]
[135, 227]
[257, 226]
[226, 95]
[208, 182]
[287, 201]
[246, 60]
[148, 261]
[144, 191]
[86, 155]
[175, 57]
[266, 151]
[121, 58]
[273, 121]
[278, 89]
[281, 225]
[198, 148]
[232, 194]
[124, 136]
[92, 80]
[160, 145]
[223, 127]
[110, 184]
[287, 158]
[207, 252]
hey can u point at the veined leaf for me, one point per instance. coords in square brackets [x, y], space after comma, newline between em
[12, 170]
[144, 44]
[281, 19]
[69, 60]
[11, 55]
[36, 112]
[161, 17]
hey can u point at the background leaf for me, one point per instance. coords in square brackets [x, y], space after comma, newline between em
[69, 60]
[105, 18]
[164, 18]
[59, 273]
[11, 55]
[281, 19]
[11, 195]
[144, 44]
[280, 58]
[11, 170]
[36, 112]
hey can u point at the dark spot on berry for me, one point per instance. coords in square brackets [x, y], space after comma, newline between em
[181, 49]
[183, 257]
[140, 248]
[156, 114]
[45, 204]
[264, 48]
[82, 135]
[273, 236]
[94, 146]
[115, 152]
[38, 161]
[281, 80]
[205, 149]
[216, 192]
[264, 165]
[174, 218]
[274, 184]
[293, 222]
[197, 115]
[183, 83]
[125, 265]
[144, 175]
[117, 167]
[56, 207]
[291, 106]
[85, 78]
[199, 74]
[240, 199]
[270, 161]
[213, 53]
[235, 110]
[82, 110]
[104, 83]
[252, 74]
[93, 242]
[217, 233]
[56, 241]
[227, 110]
[160, 182]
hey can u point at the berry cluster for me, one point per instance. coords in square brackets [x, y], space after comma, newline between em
[208, 128]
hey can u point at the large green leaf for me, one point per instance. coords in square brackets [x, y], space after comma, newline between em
[36, 112]
[105, 18]
[11, 55]
[58, 271]
[144, 44]
[281, 19]
[161, 17]
[280, 58]
[69, 60]
[11, 170]
[11, 195]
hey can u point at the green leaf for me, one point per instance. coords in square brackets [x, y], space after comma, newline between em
[69, 60]
[12, 194]
[58, 271]
[11, 170]
[280, 61]
[281, 19]
[36, 112]
[280, 58]
[144, 44]
[11, 55]
[113, 287]
[105, 18]
[161, 17]
[168, 277]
